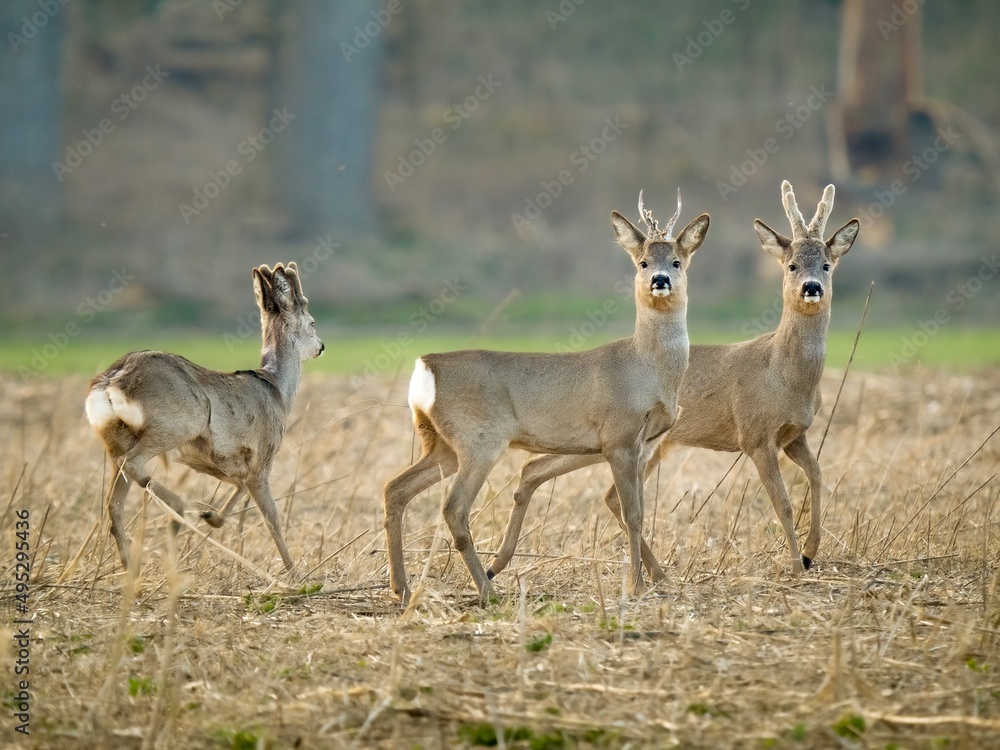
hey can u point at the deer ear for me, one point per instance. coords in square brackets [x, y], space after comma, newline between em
[628, 234]
[262, 289]
[843, 238]
[774, 242]
[292, 274]
[693, 235]
[284, 291]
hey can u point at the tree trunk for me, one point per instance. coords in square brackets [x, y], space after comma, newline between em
[324, 170]
[30, 115]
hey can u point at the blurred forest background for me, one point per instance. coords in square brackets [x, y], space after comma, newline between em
[152, 151]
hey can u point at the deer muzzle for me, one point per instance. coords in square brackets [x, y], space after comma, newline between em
[660, 285]
[812, 291]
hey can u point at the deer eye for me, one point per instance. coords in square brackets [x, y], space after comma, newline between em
[791, 266]
[826, 266]
[643, 264]
[677, 264]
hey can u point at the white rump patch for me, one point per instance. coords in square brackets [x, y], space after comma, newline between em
[98, 408]
[421, 387]
[105, 405]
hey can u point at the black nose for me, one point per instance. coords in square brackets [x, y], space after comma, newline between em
[661, 281]
[322, 347]
[811, 288]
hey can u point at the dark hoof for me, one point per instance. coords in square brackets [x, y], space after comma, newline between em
[806, 562]
[489, 575]
[212, 518]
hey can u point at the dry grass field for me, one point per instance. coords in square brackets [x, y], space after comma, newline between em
[891, 640]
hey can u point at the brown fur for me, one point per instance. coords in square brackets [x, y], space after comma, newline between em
[226, 425]
[603, 401]
[757, 396]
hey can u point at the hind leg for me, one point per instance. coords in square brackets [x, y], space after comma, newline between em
[438, 460]
[115, 502]
[534, 473]
[134, 467]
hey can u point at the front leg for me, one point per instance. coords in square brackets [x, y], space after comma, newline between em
[215, 520]
[626, 468]
[260, 491]
[798, 450]
[766, 461]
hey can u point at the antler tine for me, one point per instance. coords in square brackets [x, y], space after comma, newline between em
[673, 219]
[792, 210]
[818, 224]
[646, 216]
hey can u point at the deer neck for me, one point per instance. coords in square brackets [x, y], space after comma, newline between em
[801, 340]
[281, 363]
[661, 333]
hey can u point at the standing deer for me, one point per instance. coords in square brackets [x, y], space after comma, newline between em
[226, 425]
[470, 406]
[757, 396]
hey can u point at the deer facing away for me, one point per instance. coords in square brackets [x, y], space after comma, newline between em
[470, 406]
[226, 425]
[758, 396]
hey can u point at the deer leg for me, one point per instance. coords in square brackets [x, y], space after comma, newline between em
[115, 501]
[261, 494]
[626, 468]
[135, 468]
[798, 450]
[215, 520]
[534, 472]
[766, 461]
[438, 461]
[472, 473]
[614, 505]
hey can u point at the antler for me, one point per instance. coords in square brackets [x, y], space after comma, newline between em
[646, 216]
[792, 210]
[818, 224]
[652, 225]
[673, 219]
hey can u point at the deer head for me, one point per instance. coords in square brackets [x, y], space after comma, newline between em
[661, 262]
[807, 259]
[284, 315]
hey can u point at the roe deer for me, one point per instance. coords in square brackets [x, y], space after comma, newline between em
[226, 425]
[758, 396]
[470, 406]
